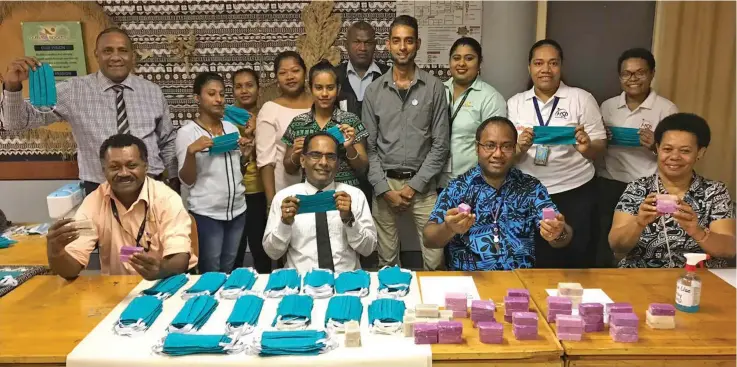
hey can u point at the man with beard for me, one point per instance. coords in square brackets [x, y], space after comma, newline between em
[506, 209]
[406, 114]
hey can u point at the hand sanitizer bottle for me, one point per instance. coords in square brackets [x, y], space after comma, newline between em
[688, 287]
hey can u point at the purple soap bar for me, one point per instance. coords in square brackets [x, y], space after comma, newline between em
[617, 330]
[516, 303]
[524, 318]
[666, 204]
[570, 329]
[456, 301]
[460, 314]
[553, 314]
[428, 339]
[124, 258]
[482, 310]
[524, 332]
[585, 309]
[464, 208]
[450, 332]
[569, 320]
[593, 327]
[625, 338]
[549, 213]
[593, 318]
[491, 332]
[559, 303]
[662, 309]
[619, 307]
[426, 329]
[508, 318]
[623, 319]
[518, 292]
[569, 336]
[130, 250]
[476, 319]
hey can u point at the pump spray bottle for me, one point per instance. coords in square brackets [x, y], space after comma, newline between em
[688, 287]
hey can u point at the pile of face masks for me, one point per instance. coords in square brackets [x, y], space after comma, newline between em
[42, 87]
[318, 283]
[554, 135]
[355, 283]
[166, 288]
[224, 143]
[394, 281]
[207, 285]
[244, 317]
[239, 282]
[297, 342]
[139, 315]
[385, 315]
[7, 278]
[282, 282]
[342, 309]
[195, 313]
[624, 136]
[186, 344]
[294, 312]
[236, 115]
[6, 242]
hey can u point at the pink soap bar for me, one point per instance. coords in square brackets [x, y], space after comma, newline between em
[585, 309]
[450, 332]
[662, 309]
[548, 213]
[525, 332]
[426, 329]
[593, 327]
[569, 336]
[570, 329]
[518, 292]
[625, 338]
[124, 258]
[623, 319]
[130, 250]
[617, 330]
[559, 303]
[524, 318]
[429, 339]
[456, 301]
[569, 320]
[464, 208]
[482, 305]
[593, 318]
[460, 314]
[619, 307]
[516, 303]
[666, 204]
[553, 314]
[491, 332]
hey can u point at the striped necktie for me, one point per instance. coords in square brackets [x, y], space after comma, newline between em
[123, 127]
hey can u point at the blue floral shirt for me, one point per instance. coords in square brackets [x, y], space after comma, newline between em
[519, 204]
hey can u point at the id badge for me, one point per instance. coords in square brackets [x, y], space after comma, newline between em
[542, 153]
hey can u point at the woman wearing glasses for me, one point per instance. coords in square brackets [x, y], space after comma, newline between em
[638, 107]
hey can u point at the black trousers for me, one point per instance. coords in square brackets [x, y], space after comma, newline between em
[578, 206]
[608, 194]
[253, 234]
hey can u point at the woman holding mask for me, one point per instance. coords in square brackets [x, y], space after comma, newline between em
[324, 115]
[701, 215]
[471, 101]
[273, 120]
[216, 193]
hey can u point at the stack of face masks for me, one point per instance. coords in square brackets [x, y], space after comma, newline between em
[394, 281]
[385, 315]
[318, 283]
[186, 344]
[342, 309]
[139, 315]
[165, 288]
[236, 115]
[624, 136]
[294, 312]
[554, 135]
[42, 87]
[239, 282]
[282, 282]
[6, 242]
[355, 283]
[194, 314]
[297, 342]
[208, 284]
[244, 317]
[224, 143]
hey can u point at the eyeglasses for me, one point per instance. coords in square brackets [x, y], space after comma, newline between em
[639, 74]
[317, 156]
[490, 147]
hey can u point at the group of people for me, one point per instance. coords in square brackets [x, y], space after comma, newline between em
[466, 166]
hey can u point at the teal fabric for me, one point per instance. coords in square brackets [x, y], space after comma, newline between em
[343, 309]
[176, 344]
[394, 279]
[12, 274]
[554, 135]
[300, 342]
[42, 86]
[195, 312]
[386, 310]
[224, 143]
[247, 310]
[284, 278]
[294, 307]
[336, 133]
[319, 203]
[6, 242]
[624, 136]
[352, 281]
[167, 287]
[143, 308]
[241, 278]
[236, 115]
[319, 277]
[209, 282]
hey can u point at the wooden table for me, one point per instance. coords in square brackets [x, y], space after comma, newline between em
[30, 250]
[45, 318]
[704, 338]
[545, 351]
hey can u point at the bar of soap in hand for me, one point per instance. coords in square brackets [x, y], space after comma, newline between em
[549, 213]
[666, 204]
[464, 208]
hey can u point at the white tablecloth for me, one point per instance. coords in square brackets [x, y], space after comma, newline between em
[102, 347]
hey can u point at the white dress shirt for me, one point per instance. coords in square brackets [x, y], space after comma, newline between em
[359, 84]
[567, 169]
[627, 164]
[299, 239]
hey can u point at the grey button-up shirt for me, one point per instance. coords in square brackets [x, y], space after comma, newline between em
[411, 134]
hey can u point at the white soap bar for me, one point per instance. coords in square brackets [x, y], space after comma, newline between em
[446, 315]
[352, 334]
[660, 322]
[427, 310]
[570, 289]
[408, 326]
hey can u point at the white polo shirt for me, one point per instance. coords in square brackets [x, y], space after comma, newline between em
[627, 164]
[567, 169]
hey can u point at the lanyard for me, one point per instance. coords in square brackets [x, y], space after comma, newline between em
[460, 105]
[140, 230]
[540, 116]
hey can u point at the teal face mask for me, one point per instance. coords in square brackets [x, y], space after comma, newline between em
[294, 312]
[282, 282]
[394, 281]
[194, 314]
[337, 134]
[298, 342]
[342, 309]
[355, 283]
[554, 135]
[318, 203]
[208, 284]
[318, 283]
[624, 136]
[42, 87]
[385, 315]
[139, 315]
[236, 115]
[244, 317]
[224, 143]
[176, 344]
[239, 282]
[165, 288]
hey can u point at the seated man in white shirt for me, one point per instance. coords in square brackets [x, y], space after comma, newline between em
[330, 240]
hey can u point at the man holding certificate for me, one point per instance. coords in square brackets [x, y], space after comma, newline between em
[320, 223]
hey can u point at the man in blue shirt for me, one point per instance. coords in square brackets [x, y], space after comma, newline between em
[506, 209]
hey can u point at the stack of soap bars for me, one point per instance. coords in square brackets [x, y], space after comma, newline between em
[450, 332]
[623, 327]
[661, 316]
[490, 332]
[482, 311]
[558, 306]
[515, 304]
[592, 315]
[458, 303]
[569, 327]
[573, 291]
[524, 325]
[618, 307]
[352, 334]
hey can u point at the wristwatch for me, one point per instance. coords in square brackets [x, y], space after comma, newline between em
[563, 236]
[349, 222]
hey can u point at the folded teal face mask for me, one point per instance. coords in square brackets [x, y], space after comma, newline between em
[224, 143]
[139, 315]
[240, 282]
[319, 203]
[282, 282]
[244, 317]
[318, 283]
[298, 342]
[176, 344]
[208, 284]
[294, 312]
[554, 135]
[342, 309]
[42, 87]
[625, 136]
[6, 242]
[236, 115]
[165, 288]
[336, 133]
[385, 315]
[354, 283]
[194, 314]
[394, 281]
